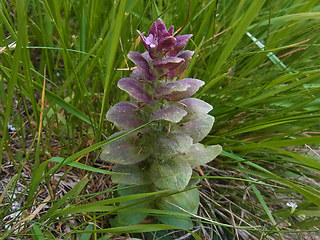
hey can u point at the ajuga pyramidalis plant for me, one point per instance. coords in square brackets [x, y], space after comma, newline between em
[162, 155]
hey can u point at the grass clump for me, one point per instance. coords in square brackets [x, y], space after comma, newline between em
[60, 63]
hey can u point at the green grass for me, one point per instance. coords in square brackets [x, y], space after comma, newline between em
[260, 62]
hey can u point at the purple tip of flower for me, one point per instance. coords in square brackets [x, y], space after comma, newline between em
[125, 116]
[180, 89]
[144, 40]
[169, 63]
[187, 56]
[196, 106]
[181, 42]
[134, 88]
[142, 64]
[158, 28]
[161, 42]
[171, 114]
[166, 43]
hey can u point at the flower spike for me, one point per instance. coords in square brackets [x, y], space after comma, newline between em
[162, 155]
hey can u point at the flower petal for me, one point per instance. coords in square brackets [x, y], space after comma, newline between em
[170, 31]
[197, 128]
[124, 151]
[181, 42]
[171, 114]
[144, 40]
[198, 154]
[125, 116]
[187, 56]
[180, 89]
[134, 88]
[158, 27]
[166, 43]
[169, 63]
[141, 63]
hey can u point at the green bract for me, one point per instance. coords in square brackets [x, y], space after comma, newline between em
[162, 155]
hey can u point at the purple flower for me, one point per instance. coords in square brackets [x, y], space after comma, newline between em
[142, 64]
[161, 41]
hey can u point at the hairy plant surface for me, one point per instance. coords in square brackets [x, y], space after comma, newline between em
[163, 154]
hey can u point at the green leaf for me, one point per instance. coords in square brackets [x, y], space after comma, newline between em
[240, 30]
[170, 143]
[124, 151]
[198, 154]
[129, 174]
[139, 228]
[37, 234]
[73, 193]
[186, 202]
[104, 205]
[80, 166]
[62, 103]
[129, 216]
[87, 235]
[170, 174]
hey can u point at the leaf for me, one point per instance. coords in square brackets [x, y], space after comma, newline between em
[171, 143]
[197, 128]
[86, 236]
[196, 107]
[187, 56]
[128, 217]
[134, 88]
[106, 205]
[180, 89]
[74, 192]
[238, 33]
[170, 174]
[171, 114]
[142, 64]
[62, 103]
[37, 234]
[169, 63]
[81, 166]
[188, 201]
[8, 186]
[125, 115]
[195, 179]
[139, 228]
[199, 154]
[125, 150]
[131, 174]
